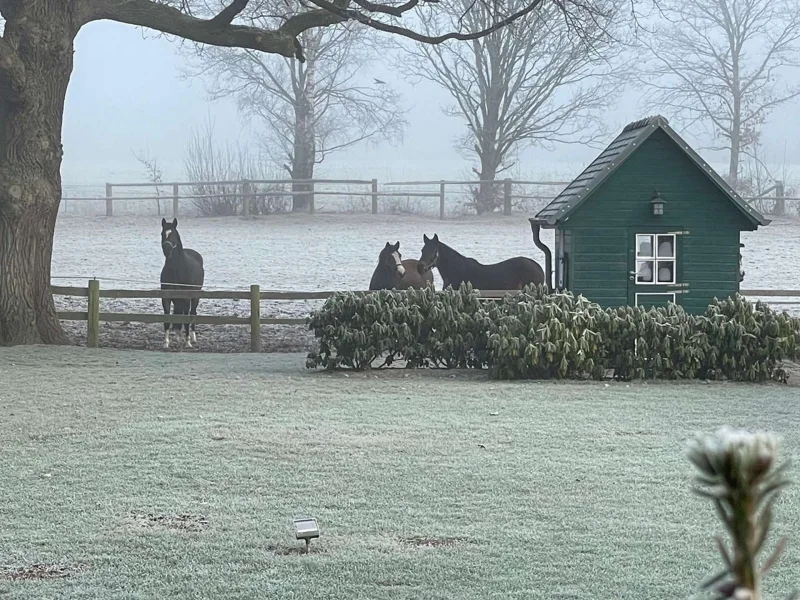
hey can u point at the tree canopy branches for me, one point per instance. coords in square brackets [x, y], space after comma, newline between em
[216, 27]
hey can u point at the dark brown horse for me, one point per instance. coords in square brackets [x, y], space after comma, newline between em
[455, 268]
[184, 268]
[393, 272]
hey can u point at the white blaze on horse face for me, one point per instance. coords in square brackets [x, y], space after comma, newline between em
[401, 270]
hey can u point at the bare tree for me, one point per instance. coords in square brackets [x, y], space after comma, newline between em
[307, 110]
[36, 54]
[534, 82]
[153, 173]
[222, 174]
[719, 64]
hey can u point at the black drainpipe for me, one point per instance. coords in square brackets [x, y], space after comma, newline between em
[548, 256]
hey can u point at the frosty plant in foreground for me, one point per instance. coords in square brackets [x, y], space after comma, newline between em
[739, 473]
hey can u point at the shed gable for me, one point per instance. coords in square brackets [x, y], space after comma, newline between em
[627, 145]
[623, 199]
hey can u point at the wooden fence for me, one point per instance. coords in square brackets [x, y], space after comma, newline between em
[94, 317]
[245, 191]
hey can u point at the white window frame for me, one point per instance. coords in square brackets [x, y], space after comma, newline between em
[636, 296]
[655, 259]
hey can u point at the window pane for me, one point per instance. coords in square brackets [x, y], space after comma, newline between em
[666, 246]
[644, 271]
[644, 246]
[666, 271]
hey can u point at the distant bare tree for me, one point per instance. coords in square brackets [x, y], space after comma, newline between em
[153, 173]
[306, 110]
[719, 63]
[534, 82]
[217, 175]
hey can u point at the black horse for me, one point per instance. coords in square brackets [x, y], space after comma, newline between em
[184, 267]
[455, 268]
[394, 273]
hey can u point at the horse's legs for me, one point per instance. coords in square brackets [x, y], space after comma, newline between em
[165, 302]
[181, 308]
[193, 312]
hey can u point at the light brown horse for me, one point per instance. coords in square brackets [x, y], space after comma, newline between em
[415, 275]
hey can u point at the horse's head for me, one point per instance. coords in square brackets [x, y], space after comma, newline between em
[390, 258]
[430, 252]
[170, 239]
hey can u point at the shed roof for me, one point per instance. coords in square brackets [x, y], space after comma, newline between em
[624, 145]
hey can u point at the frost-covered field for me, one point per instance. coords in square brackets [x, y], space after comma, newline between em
[149, 478]
[310, 252]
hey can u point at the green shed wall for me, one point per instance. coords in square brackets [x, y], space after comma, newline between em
[709, 260]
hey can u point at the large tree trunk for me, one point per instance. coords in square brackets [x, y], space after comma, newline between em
[305, 139]
[39, 35]
[736, 125]
[488, 146]
[733, 164]
[487, 199]
[303, 157]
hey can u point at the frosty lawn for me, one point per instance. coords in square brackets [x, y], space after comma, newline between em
[177, 476]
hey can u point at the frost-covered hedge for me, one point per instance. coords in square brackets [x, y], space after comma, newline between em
[552, 336]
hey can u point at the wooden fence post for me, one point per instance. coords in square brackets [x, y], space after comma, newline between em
[255, 318]
[246, 198]
[93, 320]
[174, 200]
[507, 196]
[441, 200]
[313, 206]
[109, 200]
[780, 203]
[374, 196]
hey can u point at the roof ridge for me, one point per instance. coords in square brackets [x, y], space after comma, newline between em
[652, 120]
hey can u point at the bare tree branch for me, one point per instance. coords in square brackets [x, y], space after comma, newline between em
[167, 19]
[229, 13]
[419, 37]
[395, 11]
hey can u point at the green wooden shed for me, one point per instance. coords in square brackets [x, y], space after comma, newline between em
[646, 223]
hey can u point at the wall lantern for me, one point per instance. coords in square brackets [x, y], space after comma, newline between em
[306, 529]
[658, 204]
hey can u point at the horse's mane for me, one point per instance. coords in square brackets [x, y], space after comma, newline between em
[456, 254]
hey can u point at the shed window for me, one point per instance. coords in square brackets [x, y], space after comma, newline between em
[655, 258]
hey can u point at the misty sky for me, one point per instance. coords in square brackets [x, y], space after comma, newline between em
[126, 96]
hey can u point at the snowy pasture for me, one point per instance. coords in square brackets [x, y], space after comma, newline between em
[179, 478]
[309, 253]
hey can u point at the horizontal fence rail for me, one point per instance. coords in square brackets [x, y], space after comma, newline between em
[246, 193]
[93, 316]
[247, 197]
